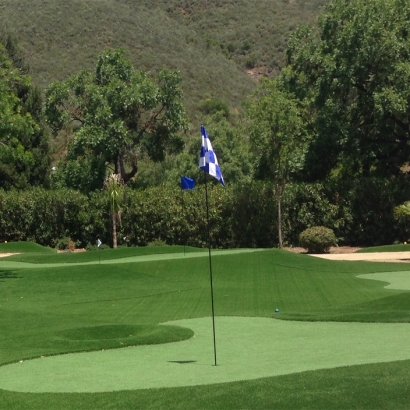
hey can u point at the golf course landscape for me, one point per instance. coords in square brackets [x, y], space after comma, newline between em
[131, 328]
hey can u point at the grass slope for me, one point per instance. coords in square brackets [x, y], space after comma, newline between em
[37, 306]
[386, 248]
[24, 247]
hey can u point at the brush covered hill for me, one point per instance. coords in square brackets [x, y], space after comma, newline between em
[211, 42]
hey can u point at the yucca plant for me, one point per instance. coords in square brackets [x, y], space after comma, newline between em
[402, 212]
[113, 184]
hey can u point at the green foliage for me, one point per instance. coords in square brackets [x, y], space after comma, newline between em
[157, 242]
[307, 205]
[24, 158]
[353, 71]
[277, 136]
[65, 42]
[317, 239]
[119, 115]
[45, 216]
[402, 212]
[253, 36]
[113, 186]
[213, 106]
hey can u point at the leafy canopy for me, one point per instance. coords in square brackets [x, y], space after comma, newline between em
[117, 116]
[354, 71]
[24, 156]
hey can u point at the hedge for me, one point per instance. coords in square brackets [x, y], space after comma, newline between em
[242, 215]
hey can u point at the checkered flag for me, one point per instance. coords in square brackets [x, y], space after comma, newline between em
[207, 159]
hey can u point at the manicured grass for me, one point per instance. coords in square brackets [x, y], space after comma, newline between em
[38, 307]
[24, 247]
[386, 248]
[105, 254]
[248, 348]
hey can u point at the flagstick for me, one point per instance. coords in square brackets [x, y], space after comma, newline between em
[183, 214]
[210, 264]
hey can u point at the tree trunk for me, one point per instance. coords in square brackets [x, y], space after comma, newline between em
[279, 199]
[114, 230]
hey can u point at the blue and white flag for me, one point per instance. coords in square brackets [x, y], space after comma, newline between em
[207, 159]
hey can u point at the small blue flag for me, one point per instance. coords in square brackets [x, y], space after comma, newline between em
[207, 159]
[187, 183]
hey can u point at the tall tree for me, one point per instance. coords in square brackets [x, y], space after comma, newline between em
[278, 138]
[117, 115]
[354, 70]
[24, 150]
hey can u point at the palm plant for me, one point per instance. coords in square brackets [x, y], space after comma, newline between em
[113, 184]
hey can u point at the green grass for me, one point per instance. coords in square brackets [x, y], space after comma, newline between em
[386, 248]
[24, 247]
[40, 307]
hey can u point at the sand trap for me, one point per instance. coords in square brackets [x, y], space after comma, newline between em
[247, 348]
[371, 256]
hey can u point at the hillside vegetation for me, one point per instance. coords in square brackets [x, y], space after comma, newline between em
[210, 42]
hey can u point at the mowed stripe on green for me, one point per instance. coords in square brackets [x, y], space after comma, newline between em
[43, 261]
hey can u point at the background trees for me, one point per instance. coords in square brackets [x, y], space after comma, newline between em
[24, 151]
[278, 138]
[354, 71]
[117, 115]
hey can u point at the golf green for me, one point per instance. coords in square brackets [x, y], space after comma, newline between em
[247, 348]
[397, 280]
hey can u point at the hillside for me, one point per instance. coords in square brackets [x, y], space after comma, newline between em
[212, 42]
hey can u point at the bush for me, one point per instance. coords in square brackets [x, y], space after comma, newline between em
[317, 239]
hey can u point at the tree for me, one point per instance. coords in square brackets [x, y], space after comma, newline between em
[354, 72]
[24, 150]
[277, 136]
[117, 115]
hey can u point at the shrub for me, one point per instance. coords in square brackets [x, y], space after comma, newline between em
[157, 242]
[317, 239]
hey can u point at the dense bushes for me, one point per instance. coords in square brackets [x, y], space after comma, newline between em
[242, 215]
[317, 239]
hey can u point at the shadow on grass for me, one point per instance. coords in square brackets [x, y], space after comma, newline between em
[7, 274]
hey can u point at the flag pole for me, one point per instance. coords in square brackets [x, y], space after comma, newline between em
[210, 265]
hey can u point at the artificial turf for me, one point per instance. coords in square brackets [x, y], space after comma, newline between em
[37, 306]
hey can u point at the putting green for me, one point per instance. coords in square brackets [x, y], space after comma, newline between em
[397, 280]
[247, 348]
